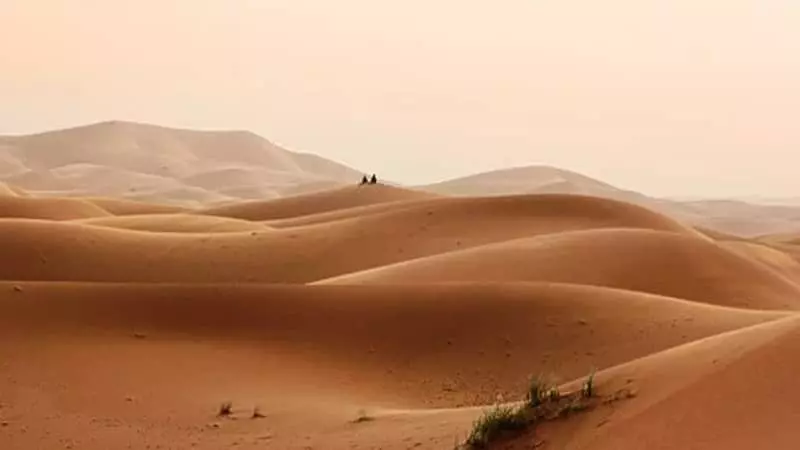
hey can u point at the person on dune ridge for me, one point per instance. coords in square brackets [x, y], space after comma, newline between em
[371, 180]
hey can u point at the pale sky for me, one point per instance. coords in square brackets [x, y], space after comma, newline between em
[678, 97]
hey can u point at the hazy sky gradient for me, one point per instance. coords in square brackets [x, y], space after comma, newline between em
[665, 97]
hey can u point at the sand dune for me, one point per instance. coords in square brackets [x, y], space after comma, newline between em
[641, 260]
[158, 163]
[6, 190]
[338, 349]
[730, 216]
[731, 391]
[522, 180]
[80, 252]
[550, 212]
[348, 213]
[125, 207]
[316, 202]
[202, 169]
[176, 223]
[48, 208]
[780, 261]
[139, 291]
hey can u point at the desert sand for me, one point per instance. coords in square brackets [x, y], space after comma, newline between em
[370, 316]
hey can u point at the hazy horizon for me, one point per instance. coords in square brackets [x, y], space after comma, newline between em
[678, 99]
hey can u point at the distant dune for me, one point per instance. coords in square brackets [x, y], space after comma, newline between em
[736, 217]
[81, 252]
[522, 180]
[125, 207]
[150, 275]
[48, 208]
[639, 260]
[175, 223]
[317, 202]
[211, 169]
[6, 190]
[155, 163]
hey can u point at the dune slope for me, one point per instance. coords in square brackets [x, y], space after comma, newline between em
[657, 262]
[6, 190]
[175, 223]
[79, 252]
[732, 391]
[322, 351]
[48, 208]
[125, 207]
[315, 202]
[146, 161]
[373, 316]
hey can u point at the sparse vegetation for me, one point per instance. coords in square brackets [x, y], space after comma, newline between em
[257, 414]
[495, 422]
[363, 417]
[536, 390]
[225, 409]
[587, 390]
[541, 390]
[543, 402]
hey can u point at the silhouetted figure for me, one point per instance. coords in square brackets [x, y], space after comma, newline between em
[373, 180]
[364, 180]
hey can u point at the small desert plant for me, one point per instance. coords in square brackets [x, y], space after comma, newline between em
[544, 402]
[587, 390]
[257, 414]
[573, 405]
[553, 394]
[494, 422]
[225, 409]
[363, 417]
[539, 391]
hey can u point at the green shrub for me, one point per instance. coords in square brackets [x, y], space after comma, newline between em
[537, 391]
[494, 422]
[587, 390]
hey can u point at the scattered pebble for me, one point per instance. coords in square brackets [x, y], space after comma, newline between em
[17, 288]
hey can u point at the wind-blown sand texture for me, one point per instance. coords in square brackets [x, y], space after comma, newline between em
[370, 316]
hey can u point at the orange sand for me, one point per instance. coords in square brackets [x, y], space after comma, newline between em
[125, 324]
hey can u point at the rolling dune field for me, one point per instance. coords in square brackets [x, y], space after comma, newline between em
[355, 316]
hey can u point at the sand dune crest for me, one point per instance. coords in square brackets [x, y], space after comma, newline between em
[657, 262]
[48, 208]
[317, 202]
